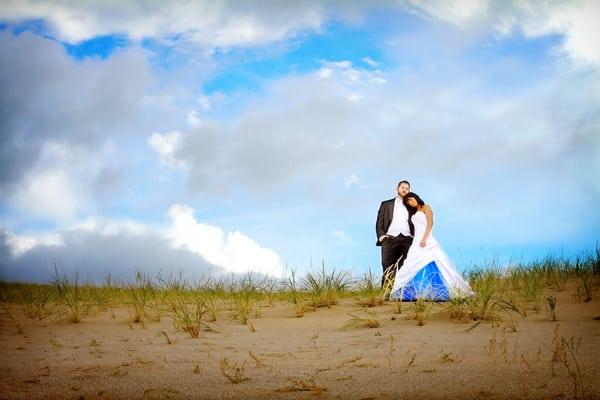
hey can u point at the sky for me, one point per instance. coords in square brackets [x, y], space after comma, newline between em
[212, 138]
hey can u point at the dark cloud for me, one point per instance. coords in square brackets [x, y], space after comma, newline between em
[45, 96]
[5, 253]
[108, 180]
[93, 256]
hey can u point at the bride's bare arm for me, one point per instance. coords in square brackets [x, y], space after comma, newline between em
[429, 214]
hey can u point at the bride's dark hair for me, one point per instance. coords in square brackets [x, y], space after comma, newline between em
[415, 196]
[412, 210]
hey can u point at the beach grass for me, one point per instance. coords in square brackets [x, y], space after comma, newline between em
[368, 320]
[500, 294]
[332, 344]
[370, 292]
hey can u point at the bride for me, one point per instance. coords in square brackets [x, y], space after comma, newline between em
[427, 272]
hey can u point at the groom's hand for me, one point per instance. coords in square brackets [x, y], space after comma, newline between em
[383, 237]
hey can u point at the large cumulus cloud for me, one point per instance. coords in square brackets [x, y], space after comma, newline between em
[97, 247]
[216, 24]
[60, 119]
[226, 24]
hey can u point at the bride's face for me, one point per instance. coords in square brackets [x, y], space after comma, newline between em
[412, 202]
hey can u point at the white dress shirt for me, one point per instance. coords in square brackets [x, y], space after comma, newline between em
[399, 224]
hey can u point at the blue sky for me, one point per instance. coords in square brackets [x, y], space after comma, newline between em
[226, 139]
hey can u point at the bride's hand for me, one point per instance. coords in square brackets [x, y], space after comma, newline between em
[423, 243]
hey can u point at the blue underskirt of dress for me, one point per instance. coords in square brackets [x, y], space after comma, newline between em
[427, 284]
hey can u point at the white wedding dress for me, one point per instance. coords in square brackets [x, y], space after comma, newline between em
[427, 271]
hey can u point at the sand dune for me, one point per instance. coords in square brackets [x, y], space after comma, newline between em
[300, 358]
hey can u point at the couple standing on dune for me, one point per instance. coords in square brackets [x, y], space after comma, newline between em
[414, 264]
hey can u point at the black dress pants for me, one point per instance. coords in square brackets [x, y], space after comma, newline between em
[393, 248]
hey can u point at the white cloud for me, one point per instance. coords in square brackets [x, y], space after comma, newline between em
[369, 61]
[108, 227]
[193, 118]
[166, 145]
[48, 194]
[576, 20]
[344, 70]
[20, 244]
[235, 252]
[305, 131]
[277, 139]
[100, 245]
[456, 12]
[205, 102]
[354, 98]
[351, 181]
[341, 235]
[325, 72]
[222, 24]
[226, 24]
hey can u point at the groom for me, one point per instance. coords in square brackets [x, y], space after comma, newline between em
[393, 232]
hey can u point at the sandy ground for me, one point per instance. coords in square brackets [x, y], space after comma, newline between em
[303, 358]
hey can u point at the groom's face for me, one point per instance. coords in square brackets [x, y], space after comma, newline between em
[403, 189]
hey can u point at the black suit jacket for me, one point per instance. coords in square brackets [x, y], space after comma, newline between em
[384, 218]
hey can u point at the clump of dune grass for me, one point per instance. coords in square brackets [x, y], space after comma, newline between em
[532, 287]
[213, 307]
[235, 373]
[356, 321]
[270, 290]
[502, 294]
[487, 302]
[214, 293]
[388, 280]
[556, 272]
[584, 270]
[242, 307]
[188, 316]
[458, 305]
[324, 288]
[551, 307]
[74, 300]
[515, 299]
[585, 289]
[110, 294]
[139, 293]
[303, 385]
[175, 284]
[145, 301]
[36, 302]
[422, 308]
[294, 295]
[244, 299]
[565, 352]
[370, 292]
